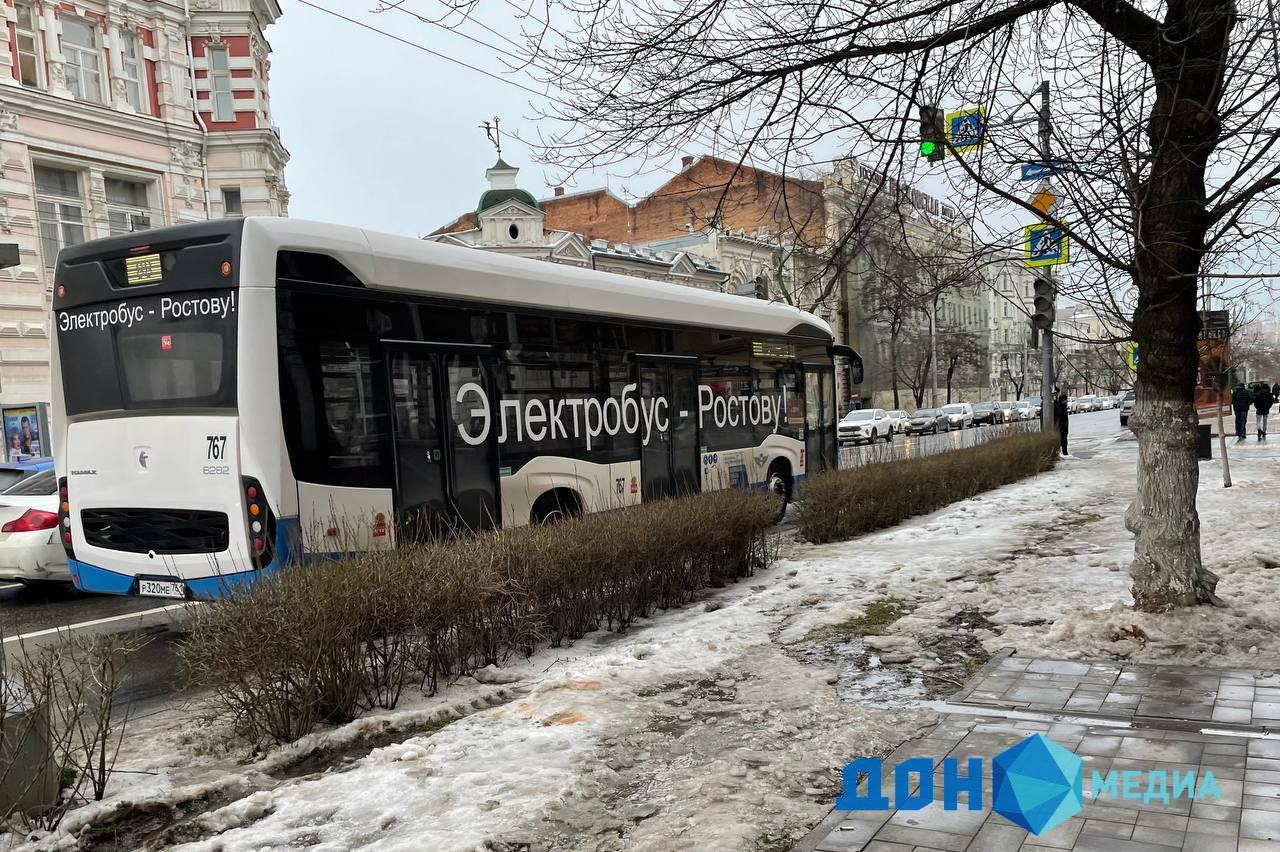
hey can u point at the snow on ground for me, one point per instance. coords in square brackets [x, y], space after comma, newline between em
[724, 724]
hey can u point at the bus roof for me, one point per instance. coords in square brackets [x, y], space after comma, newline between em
[394, 263]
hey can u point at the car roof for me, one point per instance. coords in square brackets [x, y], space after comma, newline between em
[36, 464]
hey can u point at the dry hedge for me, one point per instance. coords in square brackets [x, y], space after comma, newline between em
[326, 641]
[842, 504]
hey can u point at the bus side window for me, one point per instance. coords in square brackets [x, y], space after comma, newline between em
[533, 331]
[357, 423]
[336, 428]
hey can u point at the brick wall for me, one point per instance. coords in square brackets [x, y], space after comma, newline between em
[597, 215]
[749, 200]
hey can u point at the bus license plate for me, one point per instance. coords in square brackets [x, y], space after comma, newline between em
[162, 589]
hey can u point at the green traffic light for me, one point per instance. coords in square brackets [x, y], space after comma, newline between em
[927, 148]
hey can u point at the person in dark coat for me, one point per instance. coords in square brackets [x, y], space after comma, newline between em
[1262, 402]
[1060, 419]
[1240, 401]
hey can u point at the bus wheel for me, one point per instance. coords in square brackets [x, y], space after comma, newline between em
[779, 483]
[556, 505]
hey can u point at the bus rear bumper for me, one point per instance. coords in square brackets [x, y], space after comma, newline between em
[100, 581]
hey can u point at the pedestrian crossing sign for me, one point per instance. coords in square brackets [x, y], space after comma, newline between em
[1045, 245]
[967, 128]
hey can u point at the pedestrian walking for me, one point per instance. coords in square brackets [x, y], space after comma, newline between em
[1262, 402]
[1240, 401]
[1060, 418]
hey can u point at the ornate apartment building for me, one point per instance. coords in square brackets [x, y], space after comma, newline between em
[119, 116]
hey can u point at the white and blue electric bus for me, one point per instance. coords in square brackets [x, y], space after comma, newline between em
[236, 394]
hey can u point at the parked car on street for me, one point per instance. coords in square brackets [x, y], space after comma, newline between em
[960, 414]
[1028, 409]
[866, 425]
[1010, 410]
[1034, 402]
[928, 421]
[11, 472]
[30, 551]
[1082, 404]
[899, 420]
[988, 414]
[1126, 407]
[1107, 403]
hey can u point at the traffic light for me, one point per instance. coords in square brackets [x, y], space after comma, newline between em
[933, 133]
[1042, 310]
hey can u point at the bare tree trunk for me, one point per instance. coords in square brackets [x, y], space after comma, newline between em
[1173, 222]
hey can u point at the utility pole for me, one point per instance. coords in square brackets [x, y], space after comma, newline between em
[1046, 353]
[933, 352]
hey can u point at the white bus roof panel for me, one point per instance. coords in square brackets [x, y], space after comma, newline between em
[403, 264]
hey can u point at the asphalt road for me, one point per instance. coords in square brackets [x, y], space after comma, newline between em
[37, 615]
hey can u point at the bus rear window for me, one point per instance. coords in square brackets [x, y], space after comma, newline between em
[156, 352]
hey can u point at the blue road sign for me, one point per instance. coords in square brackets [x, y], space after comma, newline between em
[1038, 171]
[967, 128]
[1044, 245]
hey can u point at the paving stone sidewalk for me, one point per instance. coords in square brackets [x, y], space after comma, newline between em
[1115, 717]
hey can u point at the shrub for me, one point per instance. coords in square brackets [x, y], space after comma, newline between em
[326, 641]
[61, 723]
[842, 504]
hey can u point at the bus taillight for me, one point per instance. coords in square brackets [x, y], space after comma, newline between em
[259, 521]
[64, 516]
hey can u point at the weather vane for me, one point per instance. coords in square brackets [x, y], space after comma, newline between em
[493, 134]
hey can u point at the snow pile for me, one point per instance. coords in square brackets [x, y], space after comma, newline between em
[471, 781]
[1237, 544]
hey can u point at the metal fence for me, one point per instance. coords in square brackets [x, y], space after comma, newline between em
[922, 446]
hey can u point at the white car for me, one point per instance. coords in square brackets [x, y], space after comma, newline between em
[1012, 412]
[1027, 410]
[867, 424]
[959, 414]
[1127, 401]
[30, 551]
[899, 419]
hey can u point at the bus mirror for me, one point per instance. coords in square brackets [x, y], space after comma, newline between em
[839, 350]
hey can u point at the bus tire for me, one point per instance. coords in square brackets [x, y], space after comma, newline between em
[556, 505]
[778, 481]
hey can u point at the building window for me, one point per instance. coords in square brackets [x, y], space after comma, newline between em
[84, 60]
[28, 45]
[127, 206]
[231, 201]
[131, 61]
[60, 208]
[220, 84]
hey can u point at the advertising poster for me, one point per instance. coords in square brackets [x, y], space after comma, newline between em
[22, 438]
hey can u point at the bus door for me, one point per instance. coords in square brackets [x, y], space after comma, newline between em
[670, 462]
[820, 419]
[444, 439]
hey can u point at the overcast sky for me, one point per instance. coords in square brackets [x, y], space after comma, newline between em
[384, 135]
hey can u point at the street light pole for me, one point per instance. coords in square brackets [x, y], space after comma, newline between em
[1046, 340]
[933, 353]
